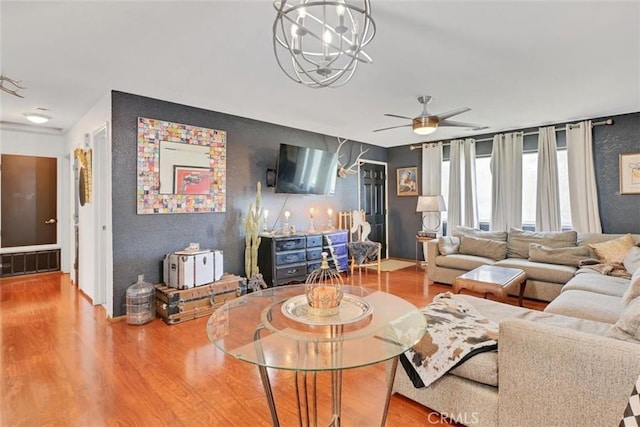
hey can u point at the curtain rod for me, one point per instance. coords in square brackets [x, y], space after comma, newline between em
[561, 129]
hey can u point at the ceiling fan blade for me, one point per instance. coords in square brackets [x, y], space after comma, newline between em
[452, 113]
[475, 126]
[392, 127]
[399, 117]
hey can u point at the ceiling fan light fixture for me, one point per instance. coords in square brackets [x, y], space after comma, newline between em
[37, 118]
[425, 125]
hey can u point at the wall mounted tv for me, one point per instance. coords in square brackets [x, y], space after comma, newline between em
[304, 170]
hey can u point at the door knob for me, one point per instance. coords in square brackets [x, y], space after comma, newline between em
[50, 221]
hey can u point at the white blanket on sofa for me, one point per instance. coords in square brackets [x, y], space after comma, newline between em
[455, 332]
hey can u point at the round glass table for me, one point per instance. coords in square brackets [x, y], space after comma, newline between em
[273, 329]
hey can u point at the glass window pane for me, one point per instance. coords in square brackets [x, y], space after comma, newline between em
[529, 186]
[445, 187]
[483, 188]
[563, 186]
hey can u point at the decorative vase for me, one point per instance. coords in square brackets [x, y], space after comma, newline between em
[324, 290]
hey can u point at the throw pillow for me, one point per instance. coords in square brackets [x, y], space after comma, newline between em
[519, 241]
[613, 251]
[632, 260]
[448, 245]
[482, 234]
[633, 291]
[493, 249]
[627, 328]
[571, 255]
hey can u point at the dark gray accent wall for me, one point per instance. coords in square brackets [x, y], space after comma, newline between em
[140, 241]
[618, 213]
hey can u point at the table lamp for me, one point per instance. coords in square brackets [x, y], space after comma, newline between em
[432, 206]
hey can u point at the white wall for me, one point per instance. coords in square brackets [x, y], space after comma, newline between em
[33, 143]
[94, 271]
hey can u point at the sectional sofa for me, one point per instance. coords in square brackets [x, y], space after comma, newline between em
[545, 279]
[573, 364]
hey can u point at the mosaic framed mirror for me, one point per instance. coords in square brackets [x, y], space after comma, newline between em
[181, 168]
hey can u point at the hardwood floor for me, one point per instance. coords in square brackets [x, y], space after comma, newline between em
[64, 364]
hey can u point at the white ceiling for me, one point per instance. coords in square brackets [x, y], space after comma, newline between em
[514, 63]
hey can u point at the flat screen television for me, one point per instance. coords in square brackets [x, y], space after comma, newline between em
[303, 170]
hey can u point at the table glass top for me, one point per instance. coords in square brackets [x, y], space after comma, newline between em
[271, 328]
[492, 274]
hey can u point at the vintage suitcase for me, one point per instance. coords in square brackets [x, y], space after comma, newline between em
[179, 305]
[185, 270]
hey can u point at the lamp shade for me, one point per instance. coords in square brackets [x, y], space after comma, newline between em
[431, 204]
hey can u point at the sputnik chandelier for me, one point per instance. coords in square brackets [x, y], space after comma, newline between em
[320, 43]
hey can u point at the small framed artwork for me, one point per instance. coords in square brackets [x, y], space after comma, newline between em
[630, 173]
[407, 181]
[191, 180]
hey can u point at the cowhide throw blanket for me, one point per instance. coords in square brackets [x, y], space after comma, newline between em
[455, 332]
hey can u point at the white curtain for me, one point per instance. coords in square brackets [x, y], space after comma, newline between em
[548, 193]
[470, 216]
[431, 169]
[463, 204]
[454, 210]
[583, 193]
[431, 175]
[506, 177]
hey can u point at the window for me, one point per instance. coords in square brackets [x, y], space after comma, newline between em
[563, 184]
[444, 186]
[529, 186]
[530, 183]
[483, 187]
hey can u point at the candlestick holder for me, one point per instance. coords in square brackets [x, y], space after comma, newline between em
[286, 229]
[330, 224]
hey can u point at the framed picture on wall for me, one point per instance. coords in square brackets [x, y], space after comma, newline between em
[630, 173]
[407, 184]
[191, 180]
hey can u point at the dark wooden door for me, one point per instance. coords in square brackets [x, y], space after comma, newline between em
[373, 201]
[29, 200]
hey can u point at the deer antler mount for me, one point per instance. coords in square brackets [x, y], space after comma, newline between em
[14, 83]
[343, 170]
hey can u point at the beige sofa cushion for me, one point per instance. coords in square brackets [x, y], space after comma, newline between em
[519, 241]
[498, 312]
[462, 262]
[448, 245]
[493, 249]
[633, 291]
[481, 368]
[587, 305]
[482, 234]
[597, 283]
[627, 328]
[632, 260]
[571, 255]
[540, 271]
[613, 251]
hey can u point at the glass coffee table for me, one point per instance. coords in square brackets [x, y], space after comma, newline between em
[272, 329]
[491, 279]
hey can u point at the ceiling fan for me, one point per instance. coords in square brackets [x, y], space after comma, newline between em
[427, 123]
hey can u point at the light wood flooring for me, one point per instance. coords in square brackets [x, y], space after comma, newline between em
[63, 364]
